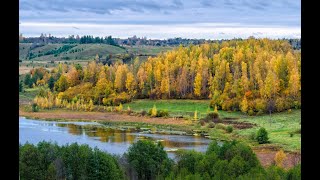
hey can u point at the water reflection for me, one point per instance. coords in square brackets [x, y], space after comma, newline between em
[112, 140]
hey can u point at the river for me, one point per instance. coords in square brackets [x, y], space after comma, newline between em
[111, 140]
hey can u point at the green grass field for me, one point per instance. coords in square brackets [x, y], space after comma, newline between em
[279, 129]
[279, 126]
[178, 107]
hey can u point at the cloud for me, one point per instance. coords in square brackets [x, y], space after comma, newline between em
[161, 31]
[163, 12]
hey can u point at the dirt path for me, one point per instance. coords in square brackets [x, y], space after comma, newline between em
[100, 116]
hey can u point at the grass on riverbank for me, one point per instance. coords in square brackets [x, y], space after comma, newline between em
[176, 107]
[282, 129]
[282, 124]
[279, 126]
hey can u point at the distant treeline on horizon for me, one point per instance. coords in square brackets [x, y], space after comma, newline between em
[88, 39]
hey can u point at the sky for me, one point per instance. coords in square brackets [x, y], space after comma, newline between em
[162, 19]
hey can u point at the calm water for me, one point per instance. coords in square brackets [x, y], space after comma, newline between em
[114, 141]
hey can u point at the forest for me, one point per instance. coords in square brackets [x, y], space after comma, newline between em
[148, 160]
[254, 76]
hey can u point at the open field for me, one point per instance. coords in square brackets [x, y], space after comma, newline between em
[185, 108]
[279, 127]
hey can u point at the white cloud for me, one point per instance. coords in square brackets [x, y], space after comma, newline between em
[161, 31]
[174, 14]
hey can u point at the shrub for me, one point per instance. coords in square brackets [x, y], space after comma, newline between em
[262, 136]
[35, 107]
[229, 129]
[220, 126]
[195, 116]
[129, 111]
[109, 109]
[291, 134]
[116, 100]
[211, 125]
[209, 116]
[119, 108]
[250, 112]
[143, 112]
[153, 112]
[163, 113]
[279, 158]
[215, 115]
[202, 122]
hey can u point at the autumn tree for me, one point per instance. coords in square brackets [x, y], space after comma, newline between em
[279, 158]
[131, 83]
[103, 87]
[121, 76]
[62, 84]
[236, 75]
[244, 105]
[73, 77]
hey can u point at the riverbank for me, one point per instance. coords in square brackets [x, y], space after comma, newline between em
[265, 153]
[101, 116]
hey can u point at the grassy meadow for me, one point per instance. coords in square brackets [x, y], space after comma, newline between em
[176, 107]
[282, 127]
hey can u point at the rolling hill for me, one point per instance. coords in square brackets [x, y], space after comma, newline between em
[62, 52]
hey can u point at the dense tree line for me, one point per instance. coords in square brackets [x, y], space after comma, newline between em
[254, 76]
[43, 39]
[91, 39]
[147, 160]
[50, 161]
[86, 39]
